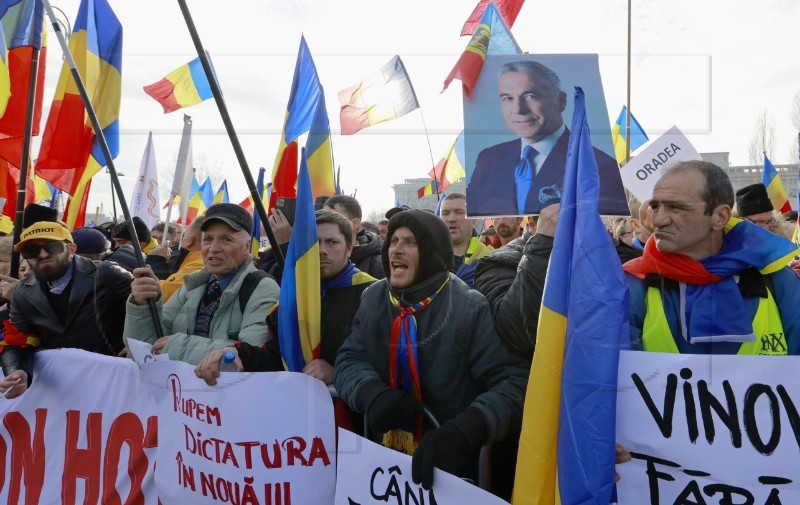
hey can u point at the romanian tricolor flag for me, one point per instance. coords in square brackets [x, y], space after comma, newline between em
[618, 135]
[185, 86]
[222, 193]
[70, 154]
[492, 36]
[21, 30]
[566, 451]
[451, 168]
[509, 9]
[384, 95]
[299, 307]
[200, 202]
[432, 188]
[775, 190]
[305, 112]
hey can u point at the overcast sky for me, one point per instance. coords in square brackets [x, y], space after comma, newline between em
[709, 67]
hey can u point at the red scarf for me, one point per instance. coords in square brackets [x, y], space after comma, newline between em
[672, 266]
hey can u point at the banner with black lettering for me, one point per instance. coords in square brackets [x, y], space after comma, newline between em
[370, 473]
[640, 174]
[254, 438]
[709, 429]
[84, 432]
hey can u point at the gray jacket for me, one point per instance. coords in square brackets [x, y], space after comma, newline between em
[229, 325]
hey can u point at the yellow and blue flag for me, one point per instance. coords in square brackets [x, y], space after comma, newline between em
[320, 157]
[299, 307]
[566, 451]
[222, 193]
[775, 189]
[619, 137]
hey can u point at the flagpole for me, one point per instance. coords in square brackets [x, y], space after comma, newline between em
[113, 201]
[26, 158]
[628, 112]
[226, 119]
[101, 140]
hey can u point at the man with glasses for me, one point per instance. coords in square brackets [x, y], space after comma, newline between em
[754, 205]
[69, 301]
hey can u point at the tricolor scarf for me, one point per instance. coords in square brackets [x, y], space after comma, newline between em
[404, 366]
[713, 306]
[350, 276]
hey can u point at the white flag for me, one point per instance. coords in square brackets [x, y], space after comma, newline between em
[146, 202]
[182, 181]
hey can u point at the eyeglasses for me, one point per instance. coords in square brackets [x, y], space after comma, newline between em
[769, 223]
[33, 251]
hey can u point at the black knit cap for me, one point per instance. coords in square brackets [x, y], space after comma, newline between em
[433, 241]
[753, 200]
[142, 231]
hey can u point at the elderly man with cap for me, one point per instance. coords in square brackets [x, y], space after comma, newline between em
[70, 301]
[754, 205]
[207, 312]
[423, 337]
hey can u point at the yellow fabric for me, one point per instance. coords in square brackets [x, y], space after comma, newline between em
[476, 250]
[74, 204]
[150, 246]
[183, 86]
[320, 170]
[767, 327]
[191, 263]
[535, 482]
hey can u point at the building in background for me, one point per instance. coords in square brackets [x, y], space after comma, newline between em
[406, 193]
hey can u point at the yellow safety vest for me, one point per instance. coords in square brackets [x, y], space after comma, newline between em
[767, 327]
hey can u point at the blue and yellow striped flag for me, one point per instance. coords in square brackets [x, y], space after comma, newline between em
[618, 135]
[299, 307]
[566, 451]
[222, 193]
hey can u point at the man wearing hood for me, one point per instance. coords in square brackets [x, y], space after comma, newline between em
[367, 245]
[423, 337]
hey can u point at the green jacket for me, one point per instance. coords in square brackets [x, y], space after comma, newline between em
[229, 325]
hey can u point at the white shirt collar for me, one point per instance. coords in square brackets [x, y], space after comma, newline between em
[544, 145]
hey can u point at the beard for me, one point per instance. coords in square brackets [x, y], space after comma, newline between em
[52, 271]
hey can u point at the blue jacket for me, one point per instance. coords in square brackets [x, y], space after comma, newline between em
[785, 290]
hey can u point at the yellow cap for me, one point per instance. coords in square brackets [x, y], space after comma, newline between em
[47, 230]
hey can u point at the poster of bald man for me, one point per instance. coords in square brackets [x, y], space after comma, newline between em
[516, 134]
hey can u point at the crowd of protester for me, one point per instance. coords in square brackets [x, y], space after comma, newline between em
[417, 310]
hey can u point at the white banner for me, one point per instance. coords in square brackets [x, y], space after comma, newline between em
[370, 473]
[254, 438]
[85, 432]
[642, 172]
[709, 429]
[146, 202]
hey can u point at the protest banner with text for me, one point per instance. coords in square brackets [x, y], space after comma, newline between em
[254, 438]
[708, 429]
[84, 432]
[370, 473]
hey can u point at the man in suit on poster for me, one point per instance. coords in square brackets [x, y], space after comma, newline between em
[521, 176]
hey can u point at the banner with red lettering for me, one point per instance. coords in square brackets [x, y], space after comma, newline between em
[254, 438]
[84, 432]
[709, 429]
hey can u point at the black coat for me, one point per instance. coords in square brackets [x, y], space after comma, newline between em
[366, 255]
[95, 313]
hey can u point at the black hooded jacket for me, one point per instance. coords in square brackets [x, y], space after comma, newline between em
[366, 255]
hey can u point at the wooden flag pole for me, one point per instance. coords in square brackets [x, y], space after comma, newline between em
[101, 139]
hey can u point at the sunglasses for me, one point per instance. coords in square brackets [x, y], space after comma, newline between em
[33, 251]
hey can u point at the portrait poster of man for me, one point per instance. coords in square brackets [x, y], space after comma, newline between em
[516, 127]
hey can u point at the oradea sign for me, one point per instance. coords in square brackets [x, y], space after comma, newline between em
[709, 429]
